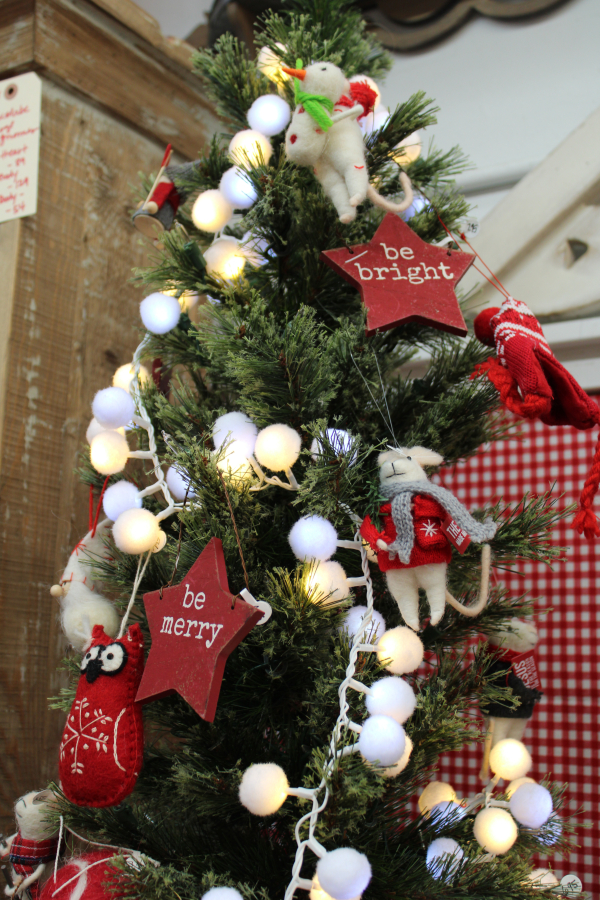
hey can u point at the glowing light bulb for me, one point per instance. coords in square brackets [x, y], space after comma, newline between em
[255, 249]
[408, 150]
[495, 830]
[510, 759]
[269, 114]
[137, 531]
[375, 120]
[250, 148]
[392, 771]
[238, 427]
[109, 452]
[317, 893]
[126, 374]
[263, 789]
[327, 583]
[542, 879]
[278, 447]
[235, 462]
[237, 189]
[225, 258]
[160, 313]
[400, 650]
[269, 63]
[211, 211]
[95, 428]
[435, 792]
[372, 84]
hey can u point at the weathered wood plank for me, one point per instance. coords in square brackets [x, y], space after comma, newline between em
[84, 51]
[75, 319]
[16, 34]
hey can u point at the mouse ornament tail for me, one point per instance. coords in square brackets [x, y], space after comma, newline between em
[383, 203]
[484, 588]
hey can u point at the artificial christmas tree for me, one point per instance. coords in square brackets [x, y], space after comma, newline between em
[259, 439]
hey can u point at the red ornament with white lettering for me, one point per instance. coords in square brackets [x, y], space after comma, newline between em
[195, 625]
[403, 279]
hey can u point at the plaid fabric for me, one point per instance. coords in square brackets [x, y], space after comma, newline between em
[29, 854]
[563, 735]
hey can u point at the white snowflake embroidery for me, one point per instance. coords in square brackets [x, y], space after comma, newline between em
[429, 529]
[78, 729]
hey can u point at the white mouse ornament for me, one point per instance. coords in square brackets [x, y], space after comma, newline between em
[33, 849]
[413, 549]
[324, 133]
[514, 644]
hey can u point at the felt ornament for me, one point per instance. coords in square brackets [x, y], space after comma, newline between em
[403, 279]
[514, 667]
[79, 592]
[102, 744]
[156, 214]
[533, 384]
[85, 877]
[195, 625]
[420, 521]
[32, 851]
[324, 134]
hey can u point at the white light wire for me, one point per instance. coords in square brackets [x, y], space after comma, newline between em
[338, 736]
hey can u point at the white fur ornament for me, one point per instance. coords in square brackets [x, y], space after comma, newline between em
[113, 407]
[263, 789]
[392, 697]
[327, 138]
[344, 873]
[119, 497]
[531, 805]
[313, 537]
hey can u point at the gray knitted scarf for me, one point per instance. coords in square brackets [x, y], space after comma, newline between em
[401, 495]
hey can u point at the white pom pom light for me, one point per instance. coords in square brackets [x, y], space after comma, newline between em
[237, 189]
[400, 650]
[178, 483]
[392, 771]
[510, 759]
[392, 697]
[543, 879]
[278, 447]
[211, 211]
[263, 789]
[247, 147]
[344, 873]
[269, 63]
[137, 531]
[339, 440]
[222, 893]
[313, 537]
[435, 792]
[126, 374]
[439, 854]
[160, 313]
[113, 407]
[512, 787]
[120, 497]
[327, 583]
[381, 740]
[354, 617]
[225, 258]
[255, 249]
[408, 150]
[95, 428]
[447, 812]
[109, 452]
[495, 830]
[238, 431]
[531, 805]
[269, 114]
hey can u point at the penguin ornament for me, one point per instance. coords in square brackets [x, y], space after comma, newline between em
[324, 133]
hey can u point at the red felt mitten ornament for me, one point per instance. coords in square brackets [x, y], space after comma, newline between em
[86, 877]
[533, 384]
[102, 744]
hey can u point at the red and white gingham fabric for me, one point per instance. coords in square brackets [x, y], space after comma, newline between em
[563, 736]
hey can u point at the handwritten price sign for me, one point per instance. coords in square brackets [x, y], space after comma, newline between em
[20, 111]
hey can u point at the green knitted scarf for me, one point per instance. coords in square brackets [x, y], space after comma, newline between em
[318, 107]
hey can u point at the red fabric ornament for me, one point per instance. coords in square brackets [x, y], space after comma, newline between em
[403, 279]
[431, 545]
[360, 92]
[195, 625]
[533, 384]
[83, 878]
[101, 751]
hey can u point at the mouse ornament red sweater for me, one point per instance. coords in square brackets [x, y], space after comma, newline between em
[533, 384]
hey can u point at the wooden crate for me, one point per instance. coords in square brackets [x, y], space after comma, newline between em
[114, 93]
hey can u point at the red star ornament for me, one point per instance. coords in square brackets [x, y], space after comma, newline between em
[403, 279]
[194, 629]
